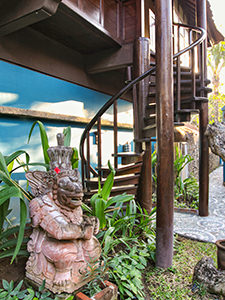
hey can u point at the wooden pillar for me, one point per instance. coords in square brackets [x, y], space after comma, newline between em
[165, 134]
[203, 118]
[141, 64]
[144, 194]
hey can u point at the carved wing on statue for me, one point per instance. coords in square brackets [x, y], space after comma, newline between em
[39, 181]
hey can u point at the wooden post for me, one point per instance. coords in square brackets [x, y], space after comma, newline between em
[144, 194]
[115, 134]
[165, 134]
[203, 118]
[141, 64]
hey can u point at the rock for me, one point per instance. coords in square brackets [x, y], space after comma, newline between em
[216, 137]
[212, 279]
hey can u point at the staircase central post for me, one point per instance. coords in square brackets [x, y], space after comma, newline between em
[203, 118]
[165, 133]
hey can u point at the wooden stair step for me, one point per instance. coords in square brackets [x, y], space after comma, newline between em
[129, 169]
[116, 191]
[184, 91]
[184, 82]
[128, 157]
[145, 140]
[150, 108]
[186, 111]
[118, 181]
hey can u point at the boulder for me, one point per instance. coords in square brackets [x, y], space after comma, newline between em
[207, 274]
[216, 137]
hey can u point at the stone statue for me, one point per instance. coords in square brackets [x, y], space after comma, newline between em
[62, 246]
[216, 137]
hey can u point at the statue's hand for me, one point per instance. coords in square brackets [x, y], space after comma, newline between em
[96, 225]
[91, 226]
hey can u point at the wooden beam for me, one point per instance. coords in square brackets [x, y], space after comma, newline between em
[165, 134]
[34, 50]
[109, 60]
[15, 15]
[21, 113]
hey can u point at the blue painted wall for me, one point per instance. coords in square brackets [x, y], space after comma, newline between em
[27, 89]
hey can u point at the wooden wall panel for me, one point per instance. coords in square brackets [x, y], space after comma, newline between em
[120, 19]
[111, 17]
[129, 21]
[91, 8]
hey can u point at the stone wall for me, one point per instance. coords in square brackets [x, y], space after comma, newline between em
[189, 135]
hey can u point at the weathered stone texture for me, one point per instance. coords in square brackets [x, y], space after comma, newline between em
[212, 279]
[216, 137]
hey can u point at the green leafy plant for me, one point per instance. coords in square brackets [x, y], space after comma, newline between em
[185, 191]
[10, 293]
[45, 143]
[10, 188]
[126, 270]
[101, 203]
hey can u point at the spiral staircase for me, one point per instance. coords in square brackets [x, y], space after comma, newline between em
[190, 90]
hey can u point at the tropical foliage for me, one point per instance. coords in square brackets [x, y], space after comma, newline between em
[127, 240]
[10, 293]
[216, 63]
[12, 241]
[186, 192]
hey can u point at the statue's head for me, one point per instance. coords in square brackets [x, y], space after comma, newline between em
[67, 188]
[61, 179]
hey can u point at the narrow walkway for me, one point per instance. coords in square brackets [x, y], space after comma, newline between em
[211, 228]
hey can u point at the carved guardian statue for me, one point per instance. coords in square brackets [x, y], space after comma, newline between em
[62, 246]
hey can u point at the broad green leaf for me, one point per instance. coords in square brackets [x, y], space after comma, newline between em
[7, 192]
[99, 187]
[67, 136]
[10, 166]
[100, 211]
[5, 284]
[3, 166]
[6, 178]
[70, 298]
[9, 231]
[18, 287]
[3, 295]
[23, 216]
[107, 187]
[42, 286]
[119, 199]
[44, 139]
[92, 202]
[10, 252]
[13, 156]
[86, 208]
[3, 213]
[31, 164]
[12, 243]
[75, 159]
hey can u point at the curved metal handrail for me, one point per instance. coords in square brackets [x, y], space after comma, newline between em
[135, 81]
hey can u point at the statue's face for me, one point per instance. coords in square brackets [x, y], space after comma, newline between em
[70, 190]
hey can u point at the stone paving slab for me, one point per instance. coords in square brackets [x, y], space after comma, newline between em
[206, 229]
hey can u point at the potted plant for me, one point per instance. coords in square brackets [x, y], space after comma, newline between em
[109, 292]
[221, 254]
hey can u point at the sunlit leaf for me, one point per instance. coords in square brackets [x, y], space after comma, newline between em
[44, 139]
[23, 217]
[67, 136]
